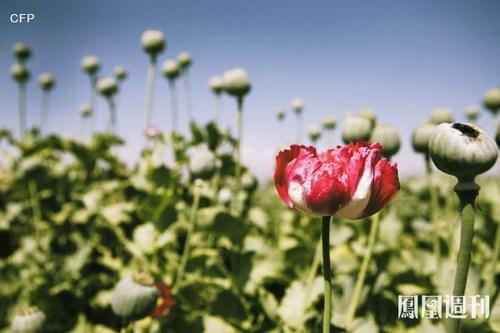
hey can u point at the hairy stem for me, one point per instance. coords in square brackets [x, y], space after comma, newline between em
[150, 91]
[327, 274]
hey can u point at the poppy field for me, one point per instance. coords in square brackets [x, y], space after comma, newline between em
[188, 239]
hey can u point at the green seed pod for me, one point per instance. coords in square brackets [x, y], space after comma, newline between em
[46, 81]
[369, 114]
[216, 84]
[20, 73]
[21, 51]
[420, 137]
[201, 160]
[280, 113]
[356, 128]
[441, 114]
[90, 64]
[30, 320]
[171, 69]
[491, 100]
[297, 105]
[120, 73]
[314, 133]
[462, 150]
[388, 137]
[107, 86]
[134, 297]
[153, 42]
[497, 136]
[472, 113]
[236, 82]
[329, 124]
[85, 110]
[185, 60]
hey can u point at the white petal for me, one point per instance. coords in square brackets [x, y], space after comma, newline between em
[296, 195]
[361, 197]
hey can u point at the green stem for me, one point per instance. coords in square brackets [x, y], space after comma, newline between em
[112, 125]
[467, 192]
[490, 283]
[433, 209]
[327, 274]
[173, 105]
[187, 87]
[22, 109]
[187, 245]
[150, 91]
[360, 280]
[312, 271]
[239, 134]
[218, 114]
[93, 106]
[45, 111]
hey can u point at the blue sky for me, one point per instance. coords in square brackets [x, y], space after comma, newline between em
[402, 58]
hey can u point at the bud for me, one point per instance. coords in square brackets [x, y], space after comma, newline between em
[280, 113]
[388, 137]
[85, 110]
[329, 124]
[153, 42]
[21, 51]
[441, 114]
[120, 73]
[491, 100]
[216, 84]
[369, 114]
[314, 133]
[185, 59]
[472, 112]
[420, 137]
[462, 150]
[46, 81]
[356, 128]
[236, 82]
[90, 64]
[297, 105]
[20, 73]
[134, 297]
[107, 86]
[171, 69]
[30, 320]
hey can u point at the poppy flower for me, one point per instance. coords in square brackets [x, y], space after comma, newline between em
[166, 301]
[352, 181]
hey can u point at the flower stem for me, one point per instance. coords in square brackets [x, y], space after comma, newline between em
[150, 91]
[239, 134]
[22, 109]
[112, 125]
[187, 87]
[299, 127]
[173, 105]
[45, 111]
[93, 106]
[360, 280]
[467, 192]
[433, 209]
[187, 245]
[327, 274]
[490, 283]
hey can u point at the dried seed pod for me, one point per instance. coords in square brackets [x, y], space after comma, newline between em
[85, 110]
[185, 60]
[120, 73]
[491, 100]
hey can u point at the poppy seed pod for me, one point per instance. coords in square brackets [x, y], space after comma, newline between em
[201, 160]
[134, 297]
[497, 136]
[356, 128]
[472, 112]
[30, 320]
[216, 84]
[369, 114]
[388, 137]
[171, 69]
[85, 110]
[329, 123]
[20, 73]
[21, 51]
[236, 82]
[120, 73]
[314, 133]
[90, 64]
[462, 150]
[297, 105]
[107, 86]
[420, 137]
[153, 41]
[185, 60]
[280, 113]
[46, 81]
[491, 100]
[441, 114]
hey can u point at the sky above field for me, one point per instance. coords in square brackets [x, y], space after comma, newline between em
[402, 58]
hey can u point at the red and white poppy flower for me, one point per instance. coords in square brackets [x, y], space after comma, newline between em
[352, 181]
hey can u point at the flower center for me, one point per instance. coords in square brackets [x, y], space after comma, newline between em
[466, 129]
